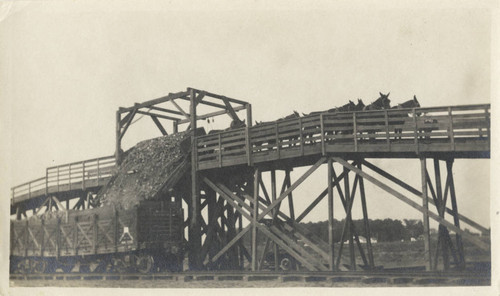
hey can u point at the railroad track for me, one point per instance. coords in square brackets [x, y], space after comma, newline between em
[375, 277]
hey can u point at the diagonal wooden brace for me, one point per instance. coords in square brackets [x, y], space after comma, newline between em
[413, 204]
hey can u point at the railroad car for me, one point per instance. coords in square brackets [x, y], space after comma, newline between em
[147, 238]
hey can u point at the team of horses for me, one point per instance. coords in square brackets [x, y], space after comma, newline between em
[381, 103]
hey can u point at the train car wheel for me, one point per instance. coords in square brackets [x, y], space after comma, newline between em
[38, 266]
[144, 263]
[286, 264]
[23, 266]
[67, 265]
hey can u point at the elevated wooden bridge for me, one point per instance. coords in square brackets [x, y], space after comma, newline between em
[446, 132]
[347, 139]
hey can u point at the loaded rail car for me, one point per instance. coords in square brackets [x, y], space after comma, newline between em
[145, 238]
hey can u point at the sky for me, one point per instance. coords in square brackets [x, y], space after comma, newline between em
[66, 67]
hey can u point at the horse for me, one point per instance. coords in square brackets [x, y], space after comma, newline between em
[272, 142]
[381, 103]
[360, 106]
[410, 105]
[406, 105]
[235, 124]
[349, 107]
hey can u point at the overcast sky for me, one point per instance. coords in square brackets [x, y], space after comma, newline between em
[66, 66]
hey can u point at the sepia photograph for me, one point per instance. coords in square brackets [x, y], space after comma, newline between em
[169, 147]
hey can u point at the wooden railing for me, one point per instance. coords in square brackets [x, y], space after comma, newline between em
[417, 130]
[67, 177]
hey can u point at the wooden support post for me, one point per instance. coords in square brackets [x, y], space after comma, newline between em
[456, 220]
[255, 213]
[419, 194]
[427, 239]
[451, 133]
[322, 129]
[95, 233]
[212, 220]
[331, 241]
[118, 140]
[75, 236]
[220, 150]
[274, 212]
[366, 220]
[277, 136]
[42, 239]
[58, 238]
[442, 229]
[290, 196]
[349, 219]
[194, 225]
[83, 175]
[175, 126]
[386, 117]
[415, 130]
[355, 132]
[242, 247]
[478, 242]
[248, 136]
[302, 141]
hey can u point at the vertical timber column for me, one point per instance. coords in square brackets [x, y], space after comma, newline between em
[456, 220]
[443, 231]
[255, 212]
[118, 147]
[349, 223]
[331, 242]
[175, 127]
[366, 220]
[194, 224]
[425, 205]
[275, 212]
[248, 138]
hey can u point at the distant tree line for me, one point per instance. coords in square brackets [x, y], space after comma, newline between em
[386, 230]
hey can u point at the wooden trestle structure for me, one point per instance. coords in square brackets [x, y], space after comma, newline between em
[229, 200]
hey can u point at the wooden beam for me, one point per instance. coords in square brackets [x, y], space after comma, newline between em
[255, 213]
[419, 194]
[366, 221]
[413, 204]
[226, 98]
[160, 100]
[427, 239]
[232, 113]
[274, 212]
[456, 220]
[158, 124]
[158, 115]
[127, 124]
[164, 110]
[291, 188]
[234, 200]
[212, 114]
[194, 225]
[126, 118]
[331, 242]
[318, 199]
[188, 117]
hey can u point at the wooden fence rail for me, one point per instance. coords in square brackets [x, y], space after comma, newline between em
[70, 176]
[417, 130]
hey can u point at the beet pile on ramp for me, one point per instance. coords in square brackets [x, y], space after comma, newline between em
[148, 169]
